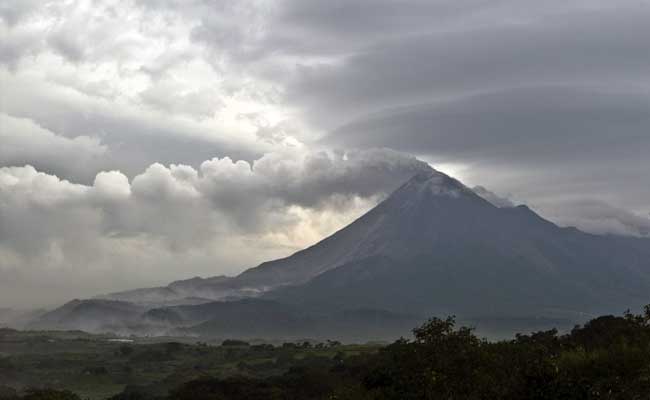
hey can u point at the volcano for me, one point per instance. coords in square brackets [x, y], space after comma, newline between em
[436, 247]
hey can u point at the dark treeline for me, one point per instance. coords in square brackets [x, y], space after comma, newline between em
[607, 358]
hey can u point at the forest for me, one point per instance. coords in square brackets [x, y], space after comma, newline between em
[606, 358]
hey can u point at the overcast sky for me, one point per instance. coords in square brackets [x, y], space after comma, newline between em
[145, 141]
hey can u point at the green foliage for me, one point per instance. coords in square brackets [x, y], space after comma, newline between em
[8, 393]
[126, 350]
[49, 394]
[234, 388]
[608, 358]
[234, 342]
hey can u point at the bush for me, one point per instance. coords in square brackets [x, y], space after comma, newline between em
[49, 394]
[233, 342]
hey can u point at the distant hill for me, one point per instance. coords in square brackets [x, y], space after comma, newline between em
[257, 318]
[91, 316]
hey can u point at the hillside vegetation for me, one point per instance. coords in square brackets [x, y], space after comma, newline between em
[607, 358]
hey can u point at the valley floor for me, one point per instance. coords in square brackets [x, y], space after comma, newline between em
[607, 358]
[98, 367]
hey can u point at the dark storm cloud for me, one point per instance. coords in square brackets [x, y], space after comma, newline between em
[532, 126]
[12, 11]
[585, 49]
[598, 216]
[322, 28]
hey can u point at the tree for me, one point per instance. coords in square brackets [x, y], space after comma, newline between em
[49, 394]
[126, 350]
[8, 393]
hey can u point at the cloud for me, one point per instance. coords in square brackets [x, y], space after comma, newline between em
[134, 136]
[130, 78]
[600, 217]
[23, 141]
[201, 103]
[493, 198]
[581, 47]
[532, 125]
[12, 11]
[72, 234]
[17, 43]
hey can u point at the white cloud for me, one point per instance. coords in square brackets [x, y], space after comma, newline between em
[600, 217]
[218, 219]
[131, 77]
[25, 141]
[493, 198]
[112, 185]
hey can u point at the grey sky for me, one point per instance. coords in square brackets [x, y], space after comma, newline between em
[143, 141]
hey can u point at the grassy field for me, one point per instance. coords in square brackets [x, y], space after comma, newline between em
[97, 367]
